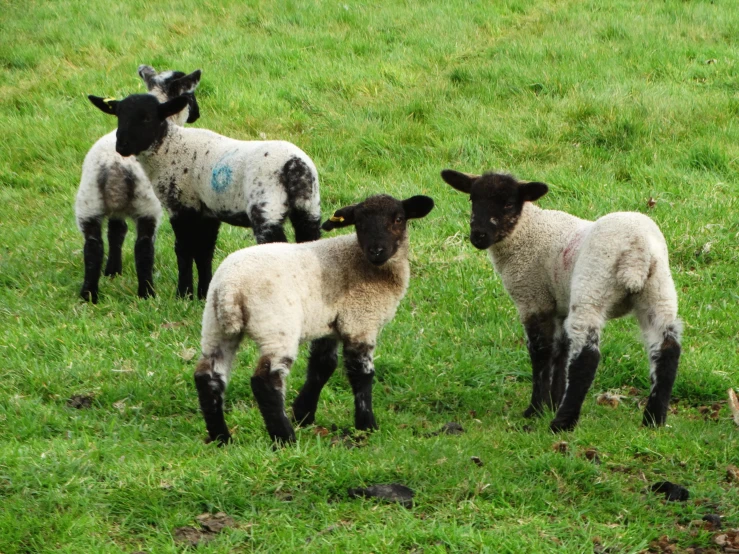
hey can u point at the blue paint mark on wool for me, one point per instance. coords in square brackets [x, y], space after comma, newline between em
[221, 177]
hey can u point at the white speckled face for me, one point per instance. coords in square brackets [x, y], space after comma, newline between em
[169, 84]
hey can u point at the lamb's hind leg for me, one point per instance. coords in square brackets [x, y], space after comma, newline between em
[211, 378]
[583, 330]
[559, 364]
[184, 223]
[117, 230]
[266, 227]
[663, 346]
[146, 228]
[321, 365]
[268, 386]
[539, 339]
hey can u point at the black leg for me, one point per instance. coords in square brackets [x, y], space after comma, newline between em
[117, 230]
[146, 228]
[540, 339]
[268, 387]
[205, 245]
[559, 370]
[580, 375]
[361, 372]
[665, 361]
[184, 225]
[307, 227]
[321, 365]
[211, 389]
[93, 254]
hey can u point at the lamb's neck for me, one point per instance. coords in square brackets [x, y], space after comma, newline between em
[521, 238]
[154, 158]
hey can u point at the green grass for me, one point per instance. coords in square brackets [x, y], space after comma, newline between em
[611, 103]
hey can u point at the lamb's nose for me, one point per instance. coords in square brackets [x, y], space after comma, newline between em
[376, 250]
[479, 239]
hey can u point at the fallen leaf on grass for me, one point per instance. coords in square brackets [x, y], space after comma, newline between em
[80, 401]
[734, 405]
[711, 412]
[728, 541]
[663, 544]
[210, 526]
[609, 399]
[393, 492]
[672, 492]
[187, 354]
[561, 446]
[732, 474]
[593, 455]
[172, 324]
[190, 536]
[215, 523]
[651, 203]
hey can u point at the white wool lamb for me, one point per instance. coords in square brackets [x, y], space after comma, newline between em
[203, 178]
[117, 188]
[567, 277]
[279, 295]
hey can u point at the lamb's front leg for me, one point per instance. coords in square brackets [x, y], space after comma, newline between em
[321, 365]
[360, 370]
[184, 225]
[540, 341]
[205, 245]
[93, 254]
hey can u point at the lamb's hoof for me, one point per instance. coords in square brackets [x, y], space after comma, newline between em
[652, 420]
[89, 296]
[146, 292]
[112, 271]
[220, 440]
[184, 292]
[532, 411]
[281, 442]
[366, 423]
[558, 425]
[303, 419]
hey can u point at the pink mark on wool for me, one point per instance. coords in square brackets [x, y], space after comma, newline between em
[570, 251]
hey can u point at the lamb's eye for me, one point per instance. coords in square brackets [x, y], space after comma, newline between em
[146, 119]
[399, 219]
[508, 206]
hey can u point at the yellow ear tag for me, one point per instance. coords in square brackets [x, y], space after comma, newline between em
[108, 100]
[336, 218]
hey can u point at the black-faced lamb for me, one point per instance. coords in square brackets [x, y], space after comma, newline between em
[338, 289]
[203, 178]
[117, 188]
[567, 277]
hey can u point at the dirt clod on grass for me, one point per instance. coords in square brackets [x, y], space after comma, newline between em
[713, 521]
[393, 492]
[210, 526]
[592, 455]
[477, 461]
[672, 492]
[451, 428]
[732, 474]
[562, 447]
[80, 401]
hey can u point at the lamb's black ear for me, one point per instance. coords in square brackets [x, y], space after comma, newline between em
[190, 82]
[147, 74]
[460, 181]
[341, 218]
[418, 206]
[534, 190]
[171, 107]
[107, 105]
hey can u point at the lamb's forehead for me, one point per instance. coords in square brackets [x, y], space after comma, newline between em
[138, 103]
[495, 184]
[379, 204]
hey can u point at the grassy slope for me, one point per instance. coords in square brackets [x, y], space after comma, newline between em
[611, 103]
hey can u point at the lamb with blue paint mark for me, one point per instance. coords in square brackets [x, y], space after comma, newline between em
[279, 295]
[203, 178]
[567, 277]
[117, 188]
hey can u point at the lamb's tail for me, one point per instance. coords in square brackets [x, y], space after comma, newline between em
[633, 265]
[230, 310]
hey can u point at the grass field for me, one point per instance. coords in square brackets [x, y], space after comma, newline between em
[611, 103]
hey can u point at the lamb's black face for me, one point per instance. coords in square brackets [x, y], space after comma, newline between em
[381, 223]
[141, 120]
[497, 201]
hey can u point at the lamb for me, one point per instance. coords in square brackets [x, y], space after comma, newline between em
[567, 277]
[115, 187]
[203, 178]
[339, 289]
